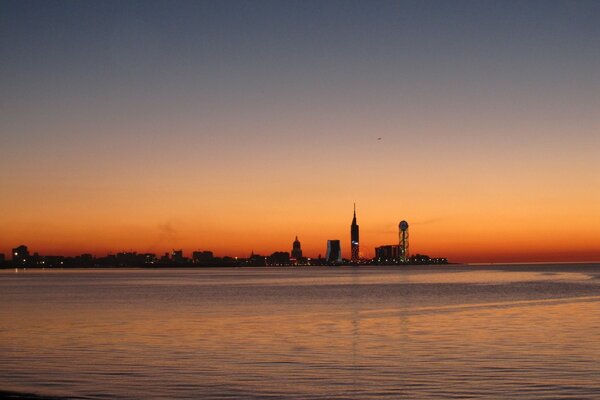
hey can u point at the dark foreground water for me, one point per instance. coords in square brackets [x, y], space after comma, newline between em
[530, 332]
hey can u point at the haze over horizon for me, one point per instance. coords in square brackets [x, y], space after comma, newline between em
[235, 126]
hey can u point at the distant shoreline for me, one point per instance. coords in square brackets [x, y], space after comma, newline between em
[308, 267]
[253, 267]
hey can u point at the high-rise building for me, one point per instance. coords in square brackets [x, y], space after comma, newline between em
[334, 251]
[296, 249]
[354, 247]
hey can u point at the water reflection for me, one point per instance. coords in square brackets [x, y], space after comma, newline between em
[345, 333]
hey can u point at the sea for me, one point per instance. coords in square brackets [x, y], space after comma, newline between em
[385, 332]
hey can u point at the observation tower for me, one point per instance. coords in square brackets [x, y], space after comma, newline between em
[403, 242]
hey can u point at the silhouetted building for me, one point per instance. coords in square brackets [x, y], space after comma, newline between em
[279, 258]
[149, 258]
[296, 249]
[2, 259]
[354, 246]
[202, 257]
[334, 251]
[34, 259]
[129, 259]
[108, 261]
[165, 259]
[388, 253]
[177, 256]
[20, 255]
[50, 261]
[84, 260]
[256, 260]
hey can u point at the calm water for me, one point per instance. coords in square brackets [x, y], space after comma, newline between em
[355, 333]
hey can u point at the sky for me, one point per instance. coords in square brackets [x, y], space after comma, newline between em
[234, 126]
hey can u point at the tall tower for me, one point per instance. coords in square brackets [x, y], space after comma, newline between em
[354, 238]
[403, 242]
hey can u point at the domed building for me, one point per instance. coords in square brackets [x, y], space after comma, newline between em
[296, 250]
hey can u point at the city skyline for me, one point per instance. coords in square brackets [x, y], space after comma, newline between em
[333, 251]
[314, 250]
[235, 126]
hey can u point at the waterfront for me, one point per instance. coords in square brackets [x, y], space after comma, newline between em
[514, 331]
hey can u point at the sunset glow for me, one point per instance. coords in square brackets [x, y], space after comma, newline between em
[176, 131]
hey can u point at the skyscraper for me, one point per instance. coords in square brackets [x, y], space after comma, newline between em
[355, 255]
[296, 249]
[334, 251]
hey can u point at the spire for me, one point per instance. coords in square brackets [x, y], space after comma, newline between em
[354, 239]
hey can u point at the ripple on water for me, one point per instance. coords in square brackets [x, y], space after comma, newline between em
[464, 332]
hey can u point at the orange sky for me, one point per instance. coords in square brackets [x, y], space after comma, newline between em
[524, 202]
[465, 220]
[259, 124]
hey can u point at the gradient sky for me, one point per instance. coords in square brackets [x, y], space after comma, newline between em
[234, 126]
